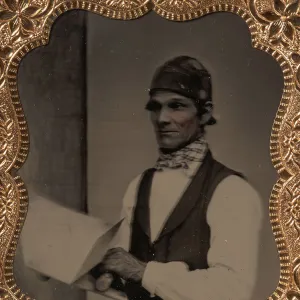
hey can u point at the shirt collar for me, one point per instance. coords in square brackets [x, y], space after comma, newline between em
[192, 169]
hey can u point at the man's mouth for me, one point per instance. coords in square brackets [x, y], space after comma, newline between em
[167, 132]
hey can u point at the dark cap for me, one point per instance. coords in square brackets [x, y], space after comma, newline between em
[186, 76]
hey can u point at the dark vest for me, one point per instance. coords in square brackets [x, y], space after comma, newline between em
[186, 234]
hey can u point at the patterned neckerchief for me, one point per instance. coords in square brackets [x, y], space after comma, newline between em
[194, 152]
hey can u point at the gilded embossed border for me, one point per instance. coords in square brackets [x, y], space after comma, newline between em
[275, 29]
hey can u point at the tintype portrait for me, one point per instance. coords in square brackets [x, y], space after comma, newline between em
[149, 174]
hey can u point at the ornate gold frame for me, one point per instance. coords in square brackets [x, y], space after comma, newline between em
[275, 29]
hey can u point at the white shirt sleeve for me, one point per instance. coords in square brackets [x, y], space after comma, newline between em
[123, 236]
[235, 218]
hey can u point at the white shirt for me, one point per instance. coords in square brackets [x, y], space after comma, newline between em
[235, 219]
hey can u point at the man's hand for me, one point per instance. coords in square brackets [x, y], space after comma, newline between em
[122, 263]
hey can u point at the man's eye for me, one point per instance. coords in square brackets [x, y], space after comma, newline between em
[176, 105]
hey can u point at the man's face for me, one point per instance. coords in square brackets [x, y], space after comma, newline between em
[174, 118]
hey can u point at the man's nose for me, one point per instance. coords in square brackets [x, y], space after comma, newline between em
[163, 117]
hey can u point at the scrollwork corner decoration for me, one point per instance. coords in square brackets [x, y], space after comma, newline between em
[275, 28]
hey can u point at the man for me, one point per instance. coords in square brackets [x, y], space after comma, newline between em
[191, 225]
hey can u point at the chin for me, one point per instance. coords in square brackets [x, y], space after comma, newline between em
[169, 145]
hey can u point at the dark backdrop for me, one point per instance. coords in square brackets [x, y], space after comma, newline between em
[51, 83]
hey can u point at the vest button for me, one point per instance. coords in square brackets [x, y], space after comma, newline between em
[151, 252]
